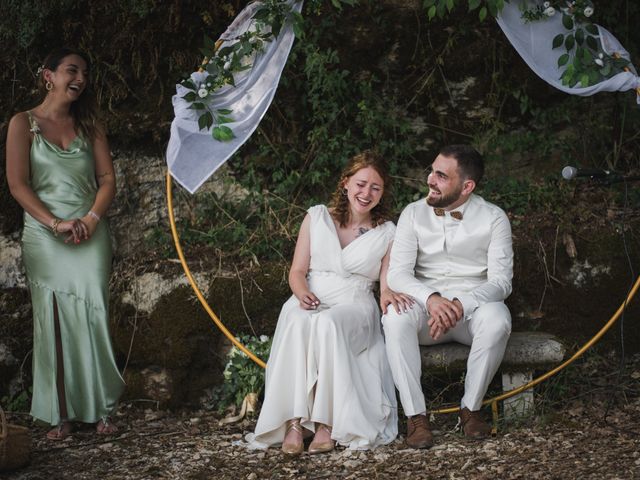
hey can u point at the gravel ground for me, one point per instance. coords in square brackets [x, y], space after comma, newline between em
[590, 430]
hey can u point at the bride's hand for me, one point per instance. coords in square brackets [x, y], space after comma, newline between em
[400, 301]
[308, 300]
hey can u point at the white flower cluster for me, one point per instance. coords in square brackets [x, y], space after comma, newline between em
[549, 11]
[599, 61]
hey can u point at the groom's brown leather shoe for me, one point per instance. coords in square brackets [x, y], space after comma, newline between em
[472, 425]
[418, 432]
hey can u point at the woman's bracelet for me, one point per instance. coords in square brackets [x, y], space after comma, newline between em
[93, 214]
[54, 226]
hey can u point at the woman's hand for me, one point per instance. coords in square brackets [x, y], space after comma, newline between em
[308, 300]
[400, 301]
[90, 223]
[76, 230]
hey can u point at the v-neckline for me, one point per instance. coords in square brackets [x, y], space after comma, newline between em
[337, 237]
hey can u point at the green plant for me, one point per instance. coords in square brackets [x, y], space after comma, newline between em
[585, 61]
[19, 402]
[441, 8]
[242, 375]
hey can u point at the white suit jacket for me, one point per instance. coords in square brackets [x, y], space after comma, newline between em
[471, 260]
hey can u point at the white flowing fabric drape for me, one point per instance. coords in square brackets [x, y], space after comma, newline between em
[192, 154]
[533, 42]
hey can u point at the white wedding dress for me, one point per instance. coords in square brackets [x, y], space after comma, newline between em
[329, 365]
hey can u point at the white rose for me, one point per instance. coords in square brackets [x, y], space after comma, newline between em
[588, 11]
[599, 62]
[600, 55]
[203, 92]
[546, 4]
[227, 65]
[549, 12]
[263, 338]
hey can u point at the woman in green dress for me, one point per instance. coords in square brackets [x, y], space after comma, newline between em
[60, 171]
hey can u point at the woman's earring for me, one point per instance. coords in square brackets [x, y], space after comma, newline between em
[48, 86]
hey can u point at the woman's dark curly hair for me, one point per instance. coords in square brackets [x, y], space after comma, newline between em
[339, 201]
[85, 109]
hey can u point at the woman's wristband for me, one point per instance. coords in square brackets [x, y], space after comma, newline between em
[93, 214]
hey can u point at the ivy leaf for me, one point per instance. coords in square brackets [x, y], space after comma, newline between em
[482, 14]
[579, 36]
[431, 12]
[593, 77]
[224, 119]
[222, 134]
[493, 8]
[592, 43]
[223, 52]
[569, 42]
[276, 26]
[197, 106]
[213, 69]
[587, 57]
[209, 43]
[224, 111]
[298, 24]
[558, 40]
[263, 13]
[567, 21]
[605, 71]
[584, 80]
[205, 121]
[189, 84]
[564, 58]
[592, 29]
[190, 96]
[450, 5]
[473, 4]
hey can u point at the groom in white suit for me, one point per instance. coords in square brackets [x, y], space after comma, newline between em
[453, 254]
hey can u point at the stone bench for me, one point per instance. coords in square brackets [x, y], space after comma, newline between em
[526, 352]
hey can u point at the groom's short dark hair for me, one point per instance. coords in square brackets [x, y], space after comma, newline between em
[470, 162]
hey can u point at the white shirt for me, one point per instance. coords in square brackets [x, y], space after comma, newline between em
[469, 259]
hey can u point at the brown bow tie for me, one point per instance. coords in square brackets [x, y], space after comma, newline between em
[455, 214]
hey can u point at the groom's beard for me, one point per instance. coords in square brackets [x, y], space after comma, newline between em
[443, 201]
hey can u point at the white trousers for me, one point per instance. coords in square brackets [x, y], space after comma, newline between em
[487, 332]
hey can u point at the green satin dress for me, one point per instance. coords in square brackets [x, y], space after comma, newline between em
[77, 275]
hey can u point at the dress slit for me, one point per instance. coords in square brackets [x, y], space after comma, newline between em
[60, 390]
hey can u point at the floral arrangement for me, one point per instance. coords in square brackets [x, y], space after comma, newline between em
[242, 376]
[585, 60]
[220, 65]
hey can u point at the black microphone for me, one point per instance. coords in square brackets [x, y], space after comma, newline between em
[569, 173]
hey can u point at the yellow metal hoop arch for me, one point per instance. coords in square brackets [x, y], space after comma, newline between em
[192, 282]
[492, 401]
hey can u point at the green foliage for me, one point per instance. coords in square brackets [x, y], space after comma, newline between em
[585, 60]
[524, 197]
[289, 165]
[242, 375]
[442, 8]
[22, 21]
[20, 402]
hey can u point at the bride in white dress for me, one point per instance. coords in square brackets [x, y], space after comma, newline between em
[327, 372]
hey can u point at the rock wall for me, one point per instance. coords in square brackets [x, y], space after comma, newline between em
[454, 82]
